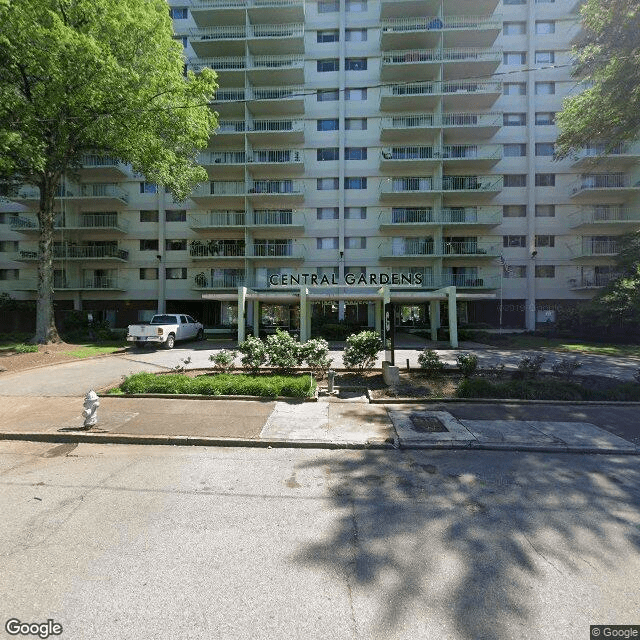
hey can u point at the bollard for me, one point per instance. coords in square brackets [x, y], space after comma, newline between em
[90, 410]
[330, 377]
[408, 366]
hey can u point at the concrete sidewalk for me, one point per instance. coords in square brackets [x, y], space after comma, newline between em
[348, 422]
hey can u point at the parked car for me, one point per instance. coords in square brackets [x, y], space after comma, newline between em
[165, 329]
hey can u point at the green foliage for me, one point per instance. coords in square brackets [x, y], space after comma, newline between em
[26, 348]
[529, 366]
[336, 331]
[283, 351]
[431, 364]
[608, 60]
[566, 367]
[223, 360]
[254, 353]
[221, 384]
[467, 363]
[361, 350]
[316, 354]
[7, 303]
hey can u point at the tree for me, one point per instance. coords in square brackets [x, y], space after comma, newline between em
[608, 62]
[80, 76]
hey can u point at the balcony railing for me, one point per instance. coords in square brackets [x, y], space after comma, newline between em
[273, 250]
[447, 152]
[438, 87]
[448, 183]
[242, 4]
[604, 214]
[275, 93]
[240, 63]
[97, 161]
[216, 249]
[236, 32]
[216, 188]
[89, 252]
[602, 181]
[468, 281]
[104, 282]
[461, 54]
[399, 25]
[222, 157]
[275, 125]
[217, 219]
[226, 281]
[412, 247]
[592, 247]
[268, 156]
[102, 221]
[428, 120]
[469, 248]
[276, 187]
[273, 217]
[596, 280]
[231, 126]
[20, 223]
[89, 190]
[450, 215]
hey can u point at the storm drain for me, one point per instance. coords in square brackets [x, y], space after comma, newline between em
[426, 424]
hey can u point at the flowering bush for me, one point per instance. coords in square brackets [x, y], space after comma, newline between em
[467, 363]
[283, 351]
[254, 353]
[316, 354]
[362, 350]
[223, 360]
[430, 363]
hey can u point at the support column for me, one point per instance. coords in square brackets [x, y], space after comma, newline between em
[242, 296]
[304, 316]
[256, 318]
[77, 302]
[377, 316]
[453, 317]
[434, 317]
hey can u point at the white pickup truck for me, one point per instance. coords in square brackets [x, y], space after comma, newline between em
[165, 329]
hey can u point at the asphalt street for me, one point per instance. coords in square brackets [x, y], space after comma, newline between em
[170, 542]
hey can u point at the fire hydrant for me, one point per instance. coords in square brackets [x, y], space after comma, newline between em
[90, 410]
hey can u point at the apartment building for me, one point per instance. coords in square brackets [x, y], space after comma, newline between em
[367, 151]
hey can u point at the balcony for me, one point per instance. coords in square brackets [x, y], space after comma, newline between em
[223, 164]
[596, 247]
[413, 64]
[593, 281]
[466, 281]
[86, 195]
[269, 69]
[275, 162]
[455, 95]
[462, 186]
[266, 191]
[223, 193]
[288, 220]
[400, 8]
[605, 216]
[230, 132]
[204, 282]
[400, 249]
[283, 130]
[216, 249]
[421, 157]
[224, 224]
[285, 100]
[102, 166]
[278, 250]
[418, 127]
[603, 185]
[282, 38]
[469, 248]
[400, 219]
[80, 252]
[87, 283]
[210, 12]
[599, 156]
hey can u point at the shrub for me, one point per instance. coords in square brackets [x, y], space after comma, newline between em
[529, 366]
[636, 376]
[361, 350]
[497, 370]
[430, 363]
[284, 352]
[467, 363]
[25, 348]
[566, 367]
[316, 354]
[336, 331]
[254, 353]
[223, 360]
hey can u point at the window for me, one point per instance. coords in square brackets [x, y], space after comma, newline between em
[327, 184]
[514, 89]
[184, 41]
[328, 124]
[515, 180]
[514, 211]
[327, 243]
[357, 271]
[355, 153]
[9, 274]
[355, 213]
[327, 213]
[545, 57]
[355, 64]
[355, 124]
[7, 246]
[514, 119]
[330, 35]
[355, 94]
[328, 6]
[355, 183]
[148, 245]
[148, 216]
[545, 241]
[545, 88]
[545, 117]
[514, 241]
[514, 28]
[355, 35]
[544, 148]
[514, 150]
[515, 271]
[327, 95]
[545, 211]
[545, 179]
[545, 271]
[545, 1]
[508, 2]
[356, 6]
[175, 216]
[355, 242]
[178, 13]
[329, 153]
[175, 245]
[328, 64]
[148, 273]
[514, 57]
[175, 273]
[148, 187]
[544, 27]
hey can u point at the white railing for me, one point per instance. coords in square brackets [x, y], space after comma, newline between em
[275, 125]
[82, 251]
[468, 247]
[466, 54]
[596, 280]
[468, 280]
[20, 223]
[276, 30]
[104, 282]
[592, 247]
[275, 93]
[275, 61]
[242, 4]
[231, 126]
[228, 32]
[448, 183]
[275, 155]
[606, 213]
[273, 217]
[448, 152]
[273, 249]
[100, 191]
[222, 157]
[446, 215]
[217, 219]
[222, 63]
[226, 188]
[399, 25]
[95, 160]
[107, 220]
[276, 187]
[408, 153]
[230, 95]
[217, 249]
[401, 215]
[225, 281]
[601, 181]
[438, 87]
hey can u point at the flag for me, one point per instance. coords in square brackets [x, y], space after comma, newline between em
[505, 267]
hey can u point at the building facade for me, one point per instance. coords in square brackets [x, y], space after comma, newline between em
[402, 144]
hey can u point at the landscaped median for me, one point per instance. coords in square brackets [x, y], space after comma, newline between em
[218, 384]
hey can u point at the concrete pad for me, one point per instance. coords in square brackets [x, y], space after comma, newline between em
[303, 421]
[408, 435]
[515, 431]
[359, 423]
[583, 434]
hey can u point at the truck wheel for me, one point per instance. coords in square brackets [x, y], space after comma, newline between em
[171, 341]
[200, 335]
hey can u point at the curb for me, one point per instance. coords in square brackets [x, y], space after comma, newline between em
[190, 396]
[72, 359]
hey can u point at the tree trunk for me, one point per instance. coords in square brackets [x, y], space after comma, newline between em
[46, 331]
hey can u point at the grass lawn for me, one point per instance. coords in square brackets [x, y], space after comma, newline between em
[565, 345]
[89, 350]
